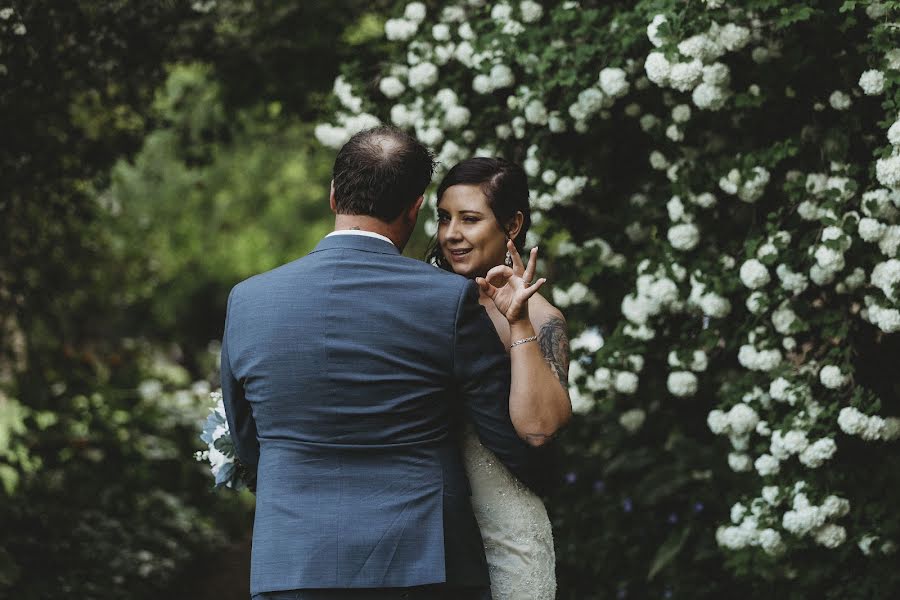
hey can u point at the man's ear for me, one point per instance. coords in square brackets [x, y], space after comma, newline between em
[413, 214]
[514, 226]
[331, 201]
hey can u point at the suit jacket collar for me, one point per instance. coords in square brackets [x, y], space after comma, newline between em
[356, 242]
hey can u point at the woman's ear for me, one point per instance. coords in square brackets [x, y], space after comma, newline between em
[514, 225]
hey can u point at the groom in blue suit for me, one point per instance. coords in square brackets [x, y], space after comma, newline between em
[347, 376]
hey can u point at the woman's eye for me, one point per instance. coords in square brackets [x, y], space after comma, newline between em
[470, 219]
[442, 218]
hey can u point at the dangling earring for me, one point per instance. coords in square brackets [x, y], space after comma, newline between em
[508, 261]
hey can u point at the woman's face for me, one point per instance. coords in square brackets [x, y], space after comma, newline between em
[468, 233]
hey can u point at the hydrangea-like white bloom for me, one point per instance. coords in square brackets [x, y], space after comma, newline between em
[391, 87]
[682, 383]
[831, 377]
[817, 453]
[457, 117]
[733, 538]
[685, 76]
[835, 507]
[631, 420]
[653, 30]
[713, 305]
[770, 542]
[441, 32]
[453, 14]
[758, 360]
[402, 116]
[626, 382]
[536, 112]
[733, 37]
[886, 277]
[872, 82]
[893, 134]
[681, 114]
[400, 30]
[871, 230]
[658, 67]
[501, 11]
[423, 75]
[569, 187]
[890, 242]
[767, 465]
[708, 97]
[684, 236]
[502, 76]
[701, 47]
[756, 302]
[754, 274]
[717, 75]
[770, 494]
[739, 462]
[742, 419]
[717, 421]
[675, 208]
[555, 123]
[531, 11]
[577, 293]
[482, 84]
[892, 58]
[783, 318]
[791, 281]
[831, 535]
[852, 421]
[839, 100]
[613, 82]
[674, 133]
[589, 340]
[415, 12]
[658, 160]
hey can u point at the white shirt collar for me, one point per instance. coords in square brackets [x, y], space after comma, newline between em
[361, 232]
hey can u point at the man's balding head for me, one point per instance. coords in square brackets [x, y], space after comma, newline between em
[380, 173]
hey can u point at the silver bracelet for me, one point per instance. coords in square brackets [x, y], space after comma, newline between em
[522, 341]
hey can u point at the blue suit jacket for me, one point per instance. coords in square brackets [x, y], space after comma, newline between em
[346, 377]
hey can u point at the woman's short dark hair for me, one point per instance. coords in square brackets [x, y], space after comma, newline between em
[503, 183]
[380, 172]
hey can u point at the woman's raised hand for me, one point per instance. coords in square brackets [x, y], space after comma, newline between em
[510, 288]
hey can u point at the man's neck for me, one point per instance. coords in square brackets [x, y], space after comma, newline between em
[364, 223]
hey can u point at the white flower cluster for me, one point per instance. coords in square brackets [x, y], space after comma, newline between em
[750, 357]
[869, 427]
[750, 189]
[654, 293]
[698, 73]
[710, 303]
[577, 293]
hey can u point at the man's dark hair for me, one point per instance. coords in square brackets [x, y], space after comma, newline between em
[380, 172]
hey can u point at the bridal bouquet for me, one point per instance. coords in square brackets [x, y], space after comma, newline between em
[223, 463]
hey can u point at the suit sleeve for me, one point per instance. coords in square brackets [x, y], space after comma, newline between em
[482, 373]
[241, 424]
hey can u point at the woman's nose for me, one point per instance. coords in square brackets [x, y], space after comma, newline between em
[453, 232]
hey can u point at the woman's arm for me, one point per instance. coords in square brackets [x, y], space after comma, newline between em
[539, 400]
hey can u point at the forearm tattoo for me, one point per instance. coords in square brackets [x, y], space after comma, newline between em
[555, 348]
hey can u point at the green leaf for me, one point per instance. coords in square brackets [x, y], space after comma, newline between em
[9, 477]
[668, 551]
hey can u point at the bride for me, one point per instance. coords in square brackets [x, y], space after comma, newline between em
[483, 216]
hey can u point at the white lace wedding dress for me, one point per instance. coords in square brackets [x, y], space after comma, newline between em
[518, 540]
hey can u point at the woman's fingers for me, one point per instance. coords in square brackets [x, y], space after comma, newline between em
[486, 287]
[532, 265]
[499, 275]
[518, 267]
[532, 289]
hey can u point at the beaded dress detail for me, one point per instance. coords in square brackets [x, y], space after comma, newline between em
[518, 540]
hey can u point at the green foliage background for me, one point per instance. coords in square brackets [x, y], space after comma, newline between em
[156, 153]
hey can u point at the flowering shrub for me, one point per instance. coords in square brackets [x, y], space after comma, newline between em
[718, 189]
